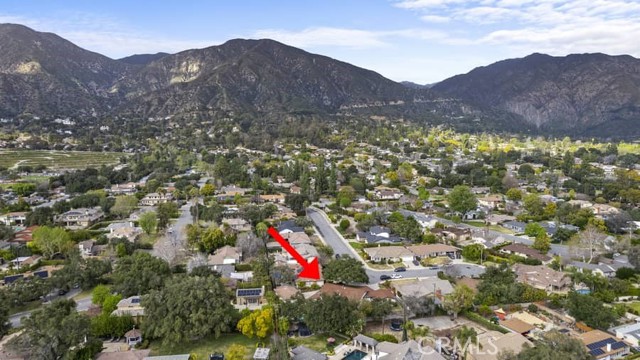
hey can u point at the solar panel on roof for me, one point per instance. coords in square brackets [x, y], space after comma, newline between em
[601, 343]
[618, 345]
[596, 352]
[249, 292]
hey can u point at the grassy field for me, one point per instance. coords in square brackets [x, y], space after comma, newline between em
[203, 347]
[57, 159]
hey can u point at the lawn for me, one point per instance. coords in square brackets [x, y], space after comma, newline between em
[57, 159]
[316, 342]
[356, 245]
[635, 306]
[204, 347]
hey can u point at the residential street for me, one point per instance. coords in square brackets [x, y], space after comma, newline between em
[173, 242]
[81, 305]
[340, 246]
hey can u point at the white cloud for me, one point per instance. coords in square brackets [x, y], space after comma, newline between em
[435, 19]
[105, 35]
[325, 36]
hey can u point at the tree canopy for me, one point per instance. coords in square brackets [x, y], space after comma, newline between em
[345, 270]
[461, 199]
[187, 308]
[138, 273]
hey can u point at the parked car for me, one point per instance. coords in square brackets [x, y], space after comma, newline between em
[216, 356]
[434, 267]
[384, 277]
[337, 256]
[396, 276]
[396, 325]
[400, 269]
[416, 263]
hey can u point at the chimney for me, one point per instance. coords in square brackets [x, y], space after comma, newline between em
[609, 347]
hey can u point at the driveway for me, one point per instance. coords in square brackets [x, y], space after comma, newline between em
[340, 246]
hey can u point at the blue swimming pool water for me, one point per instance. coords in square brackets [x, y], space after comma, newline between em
[355, 355]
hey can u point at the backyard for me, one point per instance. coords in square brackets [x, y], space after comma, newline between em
[204, 347]
[316, 342]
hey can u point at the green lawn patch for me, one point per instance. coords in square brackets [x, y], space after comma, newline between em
[635, 306]
[356, 245]
[316, 342]
[205, 346]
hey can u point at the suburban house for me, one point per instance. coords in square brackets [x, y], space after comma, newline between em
[389, 253]
[123, 230]
[377, 235]
[289, 226]
[435, 250]
[276, 198]
[600, 269]
[385, 193]
[79, 218]
[250, 298]
[517, 326]
[87, 248]
[542, 277]
[226, 255]
[13, 218]
[629, 333]
[153, 199]
[24, 236]
[497, 219]
[129, 306]
[297, 238]
[354, 293]
[602, 345]
[512, 342]
[426, 221]
[490, 201]
[426, 287]
[525, 252]
[123, 189]
[237, 224]
[517, 226]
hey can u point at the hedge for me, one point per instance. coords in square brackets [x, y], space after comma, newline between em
[484, 322]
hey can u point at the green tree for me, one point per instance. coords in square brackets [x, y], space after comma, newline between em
[378, 309]
[110, 303]
[52, 331]
[461, 199]
[472, 252]
[465, 338]
[333, 313]
[188, 308]
[344, 224]
[4, 319]
[258, 323]
[139, 273]
[99, 294]
[514, 194]
[51, 241]
[236, 352]
[124, 206]
[533, 205]
[345, 270]
[23, 189]
[148, 222]
[460, 299]
[542, 243]
[208, 189]
[589, 309]
[534, 230]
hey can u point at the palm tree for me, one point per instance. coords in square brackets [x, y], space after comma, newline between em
[465, 337]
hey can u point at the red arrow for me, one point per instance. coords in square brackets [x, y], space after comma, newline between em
[310, 270]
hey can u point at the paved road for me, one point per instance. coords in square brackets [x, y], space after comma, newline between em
[81, 305]
[340, 246]
[174, 241]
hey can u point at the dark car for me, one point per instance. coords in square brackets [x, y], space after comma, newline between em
[434, 268]
[62, 292]
[416, 263]
[385, 277]
[400, 269]
[396, 325]
[216, 356]
[337, 256]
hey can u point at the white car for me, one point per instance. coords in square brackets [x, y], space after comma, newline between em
[396, 276]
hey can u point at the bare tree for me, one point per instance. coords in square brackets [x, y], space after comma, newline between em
[249, 244]
[196, 261]
[589, 243]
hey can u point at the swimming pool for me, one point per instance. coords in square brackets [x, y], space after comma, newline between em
[355, 355]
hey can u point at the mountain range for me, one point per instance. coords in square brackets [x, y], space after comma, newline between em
[42, 74]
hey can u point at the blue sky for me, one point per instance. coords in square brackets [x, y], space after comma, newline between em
[423, 41]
